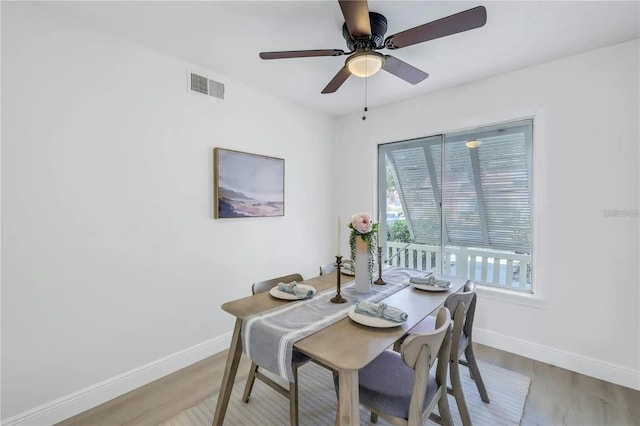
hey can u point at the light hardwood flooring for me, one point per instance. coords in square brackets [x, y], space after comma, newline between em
[556, 397]
[562, 397]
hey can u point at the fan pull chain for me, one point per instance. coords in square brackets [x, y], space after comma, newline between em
[364, 114]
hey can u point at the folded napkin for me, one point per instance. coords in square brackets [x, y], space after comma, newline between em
[293, 288]
[442, 283]
[432, 282]
[381, 310]
[428, 279]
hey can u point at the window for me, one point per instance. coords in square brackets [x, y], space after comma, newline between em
[460, 204]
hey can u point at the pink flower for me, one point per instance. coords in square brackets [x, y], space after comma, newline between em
[361, 222]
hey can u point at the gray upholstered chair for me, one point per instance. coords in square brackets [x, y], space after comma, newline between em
[462, 306]
[327, 268]
[400, 388]
[298, 358]
[330, 267]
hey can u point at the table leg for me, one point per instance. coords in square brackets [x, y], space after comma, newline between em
[230, 370]
[348, 398]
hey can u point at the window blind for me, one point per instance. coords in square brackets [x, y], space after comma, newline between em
[484, 197]
[416, 168]
[487, 190]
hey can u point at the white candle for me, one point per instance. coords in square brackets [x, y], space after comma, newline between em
[338, 242]
[379, 231]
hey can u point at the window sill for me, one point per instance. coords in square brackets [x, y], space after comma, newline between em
[525, 299]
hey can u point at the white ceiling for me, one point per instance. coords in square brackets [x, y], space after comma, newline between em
[225, 37]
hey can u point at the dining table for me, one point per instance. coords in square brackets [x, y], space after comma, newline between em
[344, 346]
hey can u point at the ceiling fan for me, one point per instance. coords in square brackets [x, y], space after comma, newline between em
[364, 33]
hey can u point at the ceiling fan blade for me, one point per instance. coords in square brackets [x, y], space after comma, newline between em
[337, 81]
[356, 16]
[401, 69]
[463, 21]
[301, 53]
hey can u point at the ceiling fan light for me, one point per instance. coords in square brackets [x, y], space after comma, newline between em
[365, 64]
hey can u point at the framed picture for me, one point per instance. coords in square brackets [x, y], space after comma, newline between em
[247, 185]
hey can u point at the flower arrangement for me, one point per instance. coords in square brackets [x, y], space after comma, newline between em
[362, 226]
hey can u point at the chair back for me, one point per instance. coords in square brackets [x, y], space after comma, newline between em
[327, 268]
[470, 287]
[414, 345]
[466, 296]
[262, 286]
[462, 308]
[420, 351]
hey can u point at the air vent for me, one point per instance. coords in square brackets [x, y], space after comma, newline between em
[206, 86]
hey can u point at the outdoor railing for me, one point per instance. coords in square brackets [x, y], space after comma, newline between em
[489, 267]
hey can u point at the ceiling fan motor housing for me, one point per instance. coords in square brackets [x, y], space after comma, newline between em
[376, 40]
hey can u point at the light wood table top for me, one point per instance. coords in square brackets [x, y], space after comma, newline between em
[262, 302]
[349, 345]
[345, 346]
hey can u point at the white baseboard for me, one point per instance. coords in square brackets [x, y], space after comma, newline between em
[85, 399]
[580, 364]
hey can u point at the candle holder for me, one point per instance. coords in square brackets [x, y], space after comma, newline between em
[338, 298]
[379, 281]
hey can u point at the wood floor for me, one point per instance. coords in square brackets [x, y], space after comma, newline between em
[556, 396]
[562, 397]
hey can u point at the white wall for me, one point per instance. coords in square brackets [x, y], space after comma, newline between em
[111, 259]
[585, 315]
[113, 269]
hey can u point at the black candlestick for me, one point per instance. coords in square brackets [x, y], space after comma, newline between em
[379, 281]
[338, 298]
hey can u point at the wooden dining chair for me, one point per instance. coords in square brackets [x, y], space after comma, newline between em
[298, 358]
[462, 306]
[400, 388]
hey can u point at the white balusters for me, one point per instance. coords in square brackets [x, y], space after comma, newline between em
[482, 265]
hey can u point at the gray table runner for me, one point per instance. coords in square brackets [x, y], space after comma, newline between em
[268, 337]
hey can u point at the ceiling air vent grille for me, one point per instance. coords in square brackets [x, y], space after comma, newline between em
[206, 86]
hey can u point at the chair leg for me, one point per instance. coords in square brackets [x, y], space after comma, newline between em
[456, 386]
[475, 372]
[293, 398]
[250, 380]
[444, 410]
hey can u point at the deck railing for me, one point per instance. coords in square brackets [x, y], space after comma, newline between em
[489, 267]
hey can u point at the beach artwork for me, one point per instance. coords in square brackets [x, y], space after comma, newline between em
[247, 185]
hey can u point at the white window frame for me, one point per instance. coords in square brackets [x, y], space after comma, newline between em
[529, 297]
